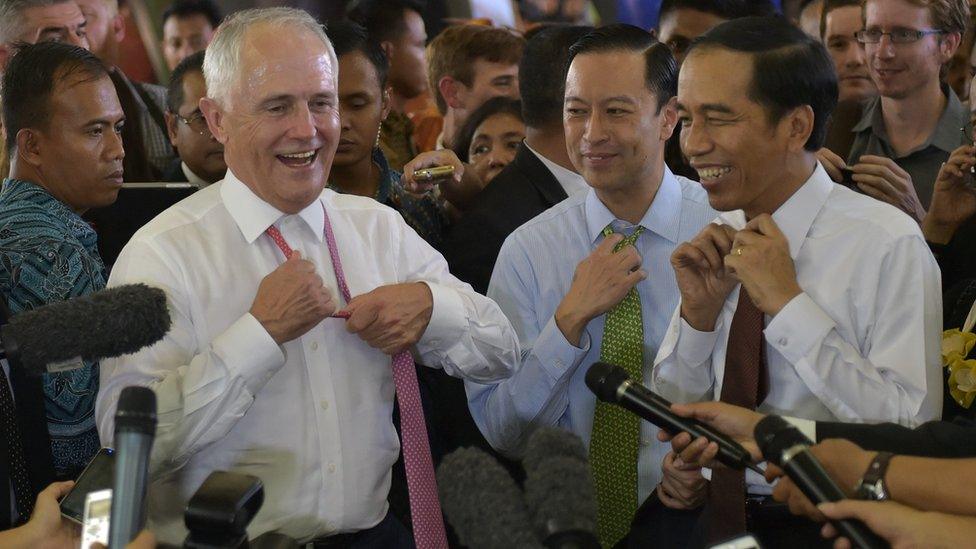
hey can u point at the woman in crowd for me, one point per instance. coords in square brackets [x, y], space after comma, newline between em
[491, 135]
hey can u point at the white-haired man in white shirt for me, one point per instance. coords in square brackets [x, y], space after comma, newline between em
[257, 375]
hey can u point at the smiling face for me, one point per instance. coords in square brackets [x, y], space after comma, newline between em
[728, 138]
[78, 156]
[280, 123]
[901, 70]
[853, 79]
[614, 133]
[494, 144]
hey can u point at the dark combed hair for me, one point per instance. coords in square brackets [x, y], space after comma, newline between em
[790, 69]
[174, 91]
[542, 73]
[660, 69]
[495, 105]
[31, 77]
[831, 5]
[726, 9]
[186, 8]
[384, 19]
[347, 37]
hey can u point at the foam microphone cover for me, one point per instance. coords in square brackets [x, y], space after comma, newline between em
[558, 485]
[482, 502]
[107, 323]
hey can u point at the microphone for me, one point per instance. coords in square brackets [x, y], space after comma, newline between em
[559, 490]
[784, 445]
[135, 428]
[482, 502]
[107, 323]
[611, 384]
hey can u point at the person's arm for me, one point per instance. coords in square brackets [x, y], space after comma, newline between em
[932, 439]
[204, 387]
[902, 526]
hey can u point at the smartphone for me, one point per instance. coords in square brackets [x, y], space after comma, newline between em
[436, 172]
[97, 476]
[98, 511]
[746, 541]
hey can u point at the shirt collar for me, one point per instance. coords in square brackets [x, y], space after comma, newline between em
[570, 181]
[946, 135]
[663, 217]
[20, 189]
[253, 215]
[192, 177]
[795, 217]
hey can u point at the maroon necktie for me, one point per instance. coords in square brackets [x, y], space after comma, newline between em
[745, 384]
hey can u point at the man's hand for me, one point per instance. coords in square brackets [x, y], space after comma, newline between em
[601, 281]
[145, 540]
[881, 178]
[292, 300]
[391, 318]
[760, 258]
[703, 280]
[733, 421]
[953, 201]
[901, 526]
[444, 157]
[683, 486]
[832, 163]
[844, 461]
[46, 527]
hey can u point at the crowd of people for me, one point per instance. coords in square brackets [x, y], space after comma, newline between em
[750, 215]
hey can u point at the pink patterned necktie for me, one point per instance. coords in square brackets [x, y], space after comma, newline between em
[425, 507]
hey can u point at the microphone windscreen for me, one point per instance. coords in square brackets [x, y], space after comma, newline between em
[108, 323]
[604, 380]
[774, 435]
[482, 502]
[548, 442]
[136, 410]
[560, 496]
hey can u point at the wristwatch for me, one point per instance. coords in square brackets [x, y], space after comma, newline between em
[872, 485]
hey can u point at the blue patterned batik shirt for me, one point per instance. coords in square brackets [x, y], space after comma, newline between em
[48, 253]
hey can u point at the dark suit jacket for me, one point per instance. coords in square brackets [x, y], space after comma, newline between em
[943, 439]
[523, 190]
[174, 172]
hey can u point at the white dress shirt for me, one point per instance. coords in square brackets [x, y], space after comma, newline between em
[570, 181]
[311, 418]
[860, 344]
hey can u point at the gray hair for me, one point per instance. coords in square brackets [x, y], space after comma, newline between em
[221, 64]
[10, 16]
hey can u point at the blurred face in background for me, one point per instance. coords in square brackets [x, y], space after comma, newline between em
[494, 143]
[853, 79]
[105, 28]
[185, 35]
[189, 133]
[55, 23]
[408, 57]
[363, 104]
[679, 27]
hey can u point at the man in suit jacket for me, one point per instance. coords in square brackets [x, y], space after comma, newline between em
[541, 174]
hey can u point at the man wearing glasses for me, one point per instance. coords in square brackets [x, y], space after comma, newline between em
[201, 157]
[906, 134]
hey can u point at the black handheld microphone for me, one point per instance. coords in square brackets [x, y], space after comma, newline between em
[482, 502]
[107, 323]
[135, 428]
[783, 444]
[612, 384]
[559, 490]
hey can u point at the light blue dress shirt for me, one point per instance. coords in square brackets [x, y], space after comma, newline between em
[532, 275]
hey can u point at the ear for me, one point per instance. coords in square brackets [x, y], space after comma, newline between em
[29, 147]
[452, 92]
[669, 118]
[4, 56]
[215, 118]
[799, 125]
[386, 104]
[387, 48]
[948, 45]
[118, 27]
[171, 122]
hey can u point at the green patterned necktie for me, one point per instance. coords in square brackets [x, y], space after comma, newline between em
[616, 432]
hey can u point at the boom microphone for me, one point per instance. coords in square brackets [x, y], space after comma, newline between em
[784, 445]
[482, 502]
[104, 324]
[612, 384]
[135, 428]
[559, 490]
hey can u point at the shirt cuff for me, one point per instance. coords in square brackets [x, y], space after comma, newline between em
[806, 426]
[555, 353]
[695, 347]
[799, 326]
[447, 317]
[248, 350]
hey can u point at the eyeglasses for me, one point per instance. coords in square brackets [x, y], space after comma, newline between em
[196, 122]
[897, 36]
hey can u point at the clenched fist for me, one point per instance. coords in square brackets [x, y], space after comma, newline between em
[292, 300]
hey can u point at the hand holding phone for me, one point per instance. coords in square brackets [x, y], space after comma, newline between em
[97, 476]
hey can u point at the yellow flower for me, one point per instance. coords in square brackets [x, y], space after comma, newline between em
[956, 345]
[962, 381]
